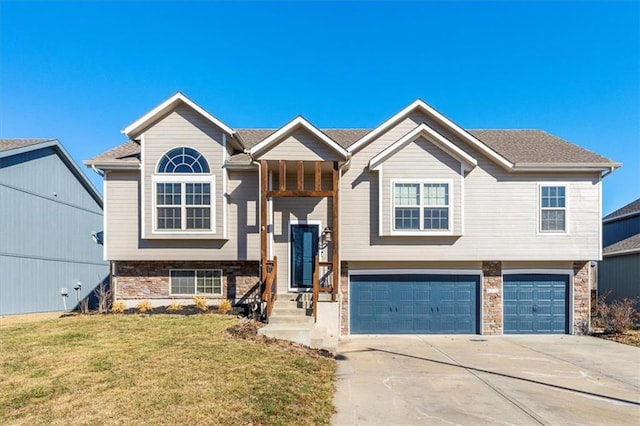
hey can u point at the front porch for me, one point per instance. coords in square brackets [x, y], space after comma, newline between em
[299, 246]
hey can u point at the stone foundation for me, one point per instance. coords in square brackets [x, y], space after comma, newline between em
[149, 280]
[581, 297]
[491, 297]
[344, 298]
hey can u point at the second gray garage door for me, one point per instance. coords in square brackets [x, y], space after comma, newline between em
[414, 304]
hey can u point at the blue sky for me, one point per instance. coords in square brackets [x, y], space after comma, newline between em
[82, 71]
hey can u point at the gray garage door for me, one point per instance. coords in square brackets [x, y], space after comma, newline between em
[536, 303]
[414, 304]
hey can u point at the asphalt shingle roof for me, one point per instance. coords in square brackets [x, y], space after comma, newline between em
[632, 207]
[517, 146]
[631, 243]
[9, 144]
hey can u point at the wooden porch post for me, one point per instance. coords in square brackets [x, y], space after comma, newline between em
[264, 181]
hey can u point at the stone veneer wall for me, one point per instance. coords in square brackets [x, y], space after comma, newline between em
[581, 297]
[491, 297]
[344, 300]
[150, 279]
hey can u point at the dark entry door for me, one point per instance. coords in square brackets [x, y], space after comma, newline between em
[304, 248]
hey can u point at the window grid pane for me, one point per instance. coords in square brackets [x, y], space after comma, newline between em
[169, 218]
[407, 194]
[407, 218]
[182, 282]
[198, 218]
[553, 220]
[436, 218]
[436, 194]
[553, 196]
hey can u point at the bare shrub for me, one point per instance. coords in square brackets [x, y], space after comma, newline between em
[84, 306]
[225, 306]
[201, 303]
[103, 293]
[118, 307]
[618, 316]
[144, 306]
[174, 306]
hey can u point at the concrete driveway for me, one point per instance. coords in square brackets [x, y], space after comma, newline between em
[472, 380]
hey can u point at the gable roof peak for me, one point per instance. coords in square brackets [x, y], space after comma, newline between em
[133, 130]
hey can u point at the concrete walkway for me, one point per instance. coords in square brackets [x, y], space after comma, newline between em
[472, 380]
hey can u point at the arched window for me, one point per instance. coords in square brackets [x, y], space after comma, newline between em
[183, 193]
[183, 160]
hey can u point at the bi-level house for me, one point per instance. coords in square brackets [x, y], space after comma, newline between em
[414, 226]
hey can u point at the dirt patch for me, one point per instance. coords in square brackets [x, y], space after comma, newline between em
[248, 330]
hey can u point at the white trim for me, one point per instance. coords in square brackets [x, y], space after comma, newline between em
[195, 272]
[155, 167]
[169, 105]
[225, 204]
[299, 121]
[461, 199]
[104, 218]
[293, 222]
[420, 271]
[420, 104]
[423, 130]
[600, 222]
[143, 198]
[570, 284]
[539, 230]
[183, 179]
[421, 232]
[381, 204]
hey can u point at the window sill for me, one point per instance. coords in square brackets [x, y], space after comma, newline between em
[422, 234]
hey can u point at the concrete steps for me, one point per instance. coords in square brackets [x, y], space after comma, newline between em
[292, 319]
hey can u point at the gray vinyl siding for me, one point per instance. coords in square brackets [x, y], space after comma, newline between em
[182, 127]
[434, 164]
[124, 240]
[301, 145]
[499, 213]
[620, 275]
[47, 217]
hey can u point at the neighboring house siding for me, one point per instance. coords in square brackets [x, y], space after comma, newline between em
[123, 235]
[500, 213]
[46, 221]
[619, 277]
[303, 146]
[620, 229]
[182, 127]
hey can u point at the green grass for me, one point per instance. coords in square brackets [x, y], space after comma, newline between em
[159, 369]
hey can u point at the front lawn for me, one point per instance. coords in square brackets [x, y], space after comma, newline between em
[159, 369]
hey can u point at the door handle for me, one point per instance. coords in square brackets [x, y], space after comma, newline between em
[396, 309]
[431, 308]
[535, 308]
[438, 309]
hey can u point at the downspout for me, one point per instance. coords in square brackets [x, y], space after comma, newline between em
[608, 172]
[343, 169]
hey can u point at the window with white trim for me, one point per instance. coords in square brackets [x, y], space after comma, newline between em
[183, 192]
[421, 206]
[207, 282]
[553, 210]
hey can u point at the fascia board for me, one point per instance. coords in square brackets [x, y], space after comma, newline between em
[433, 137]
[564, 167]
[284, 130]
[420, 104]
[132, 129]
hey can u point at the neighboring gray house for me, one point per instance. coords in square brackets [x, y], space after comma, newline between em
[414, 226]
[50, 215]
[619, 270]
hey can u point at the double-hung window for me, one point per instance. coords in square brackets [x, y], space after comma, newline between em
[183, 192]
[421, 206]
[553, 208]
[196, 282]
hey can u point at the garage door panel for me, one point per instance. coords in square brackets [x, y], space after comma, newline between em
[535, 303]
[417, 303]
